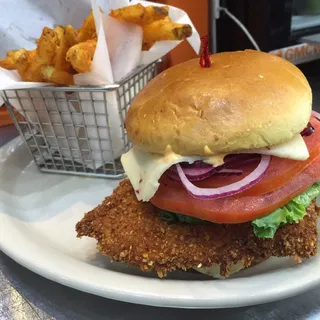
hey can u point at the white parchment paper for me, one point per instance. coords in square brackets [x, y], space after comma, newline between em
[118, 53]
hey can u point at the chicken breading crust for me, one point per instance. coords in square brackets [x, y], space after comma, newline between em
[133, 232]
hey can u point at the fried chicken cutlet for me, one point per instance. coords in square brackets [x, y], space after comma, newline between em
[133, 232]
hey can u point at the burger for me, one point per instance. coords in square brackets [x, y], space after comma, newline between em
[224, 171]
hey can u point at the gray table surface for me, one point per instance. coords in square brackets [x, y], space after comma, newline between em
[26, 296]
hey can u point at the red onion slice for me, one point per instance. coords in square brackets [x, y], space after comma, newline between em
[199, 171]
[240, 160]
[226, 191]
[173, 174]
[316, 114]
[227, 172]
[192, 173]
[196, 164]
[197, 174]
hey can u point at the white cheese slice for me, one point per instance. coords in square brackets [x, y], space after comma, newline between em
[145, 169]
[295, 149]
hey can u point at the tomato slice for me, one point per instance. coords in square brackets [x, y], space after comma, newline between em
[235, 209]
[283, 180]
[279, 172]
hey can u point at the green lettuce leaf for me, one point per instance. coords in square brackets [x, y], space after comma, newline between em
[265, 227]
[177, 217]
[292, 212]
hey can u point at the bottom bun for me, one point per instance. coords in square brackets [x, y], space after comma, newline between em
[215, 272]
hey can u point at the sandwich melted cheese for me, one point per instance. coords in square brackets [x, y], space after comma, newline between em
[224, 172]
[145, 169]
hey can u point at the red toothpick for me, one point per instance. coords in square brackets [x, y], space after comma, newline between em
[204, 53]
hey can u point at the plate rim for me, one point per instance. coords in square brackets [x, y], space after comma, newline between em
[46, 268]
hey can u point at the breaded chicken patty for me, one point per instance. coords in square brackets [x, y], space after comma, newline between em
[134, 232]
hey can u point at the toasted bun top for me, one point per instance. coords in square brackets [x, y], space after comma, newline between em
[246, 99]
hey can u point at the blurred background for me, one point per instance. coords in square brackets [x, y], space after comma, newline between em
[288, 28]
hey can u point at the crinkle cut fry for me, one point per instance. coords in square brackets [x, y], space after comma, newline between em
[132, 232]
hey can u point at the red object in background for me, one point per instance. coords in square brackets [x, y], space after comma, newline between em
[5, 118]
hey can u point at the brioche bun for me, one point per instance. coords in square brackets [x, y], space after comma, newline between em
[246, 99]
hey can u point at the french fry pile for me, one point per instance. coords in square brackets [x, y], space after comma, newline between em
[155, 23]
[63, 51]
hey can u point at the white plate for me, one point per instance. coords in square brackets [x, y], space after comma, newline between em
[38, 213]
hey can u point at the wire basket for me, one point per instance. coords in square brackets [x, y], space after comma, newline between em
[77, 130]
